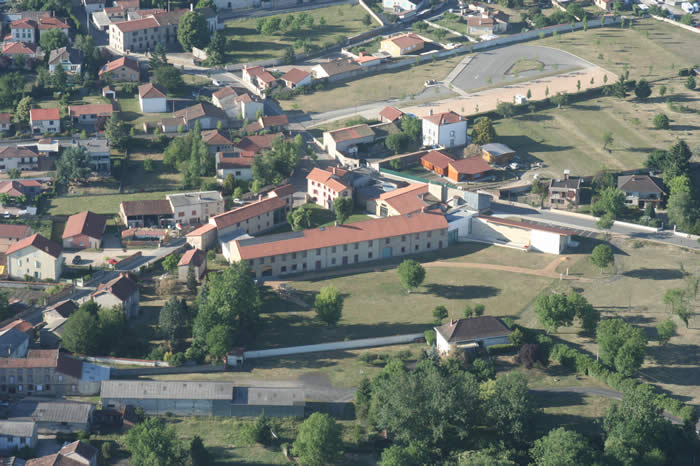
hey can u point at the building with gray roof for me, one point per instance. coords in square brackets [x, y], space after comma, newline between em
[14, 344]
[54, 416]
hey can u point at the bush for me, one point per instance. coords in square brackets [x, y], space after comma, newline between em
[107, 451]
[177, 359]
[157, 353]
[404, 355]
[502, 349]
[196, 354]
[430, 337]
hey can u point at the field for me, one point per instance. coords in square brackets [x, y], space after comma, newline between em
[247, 45]
[400, 84]
[107, 204]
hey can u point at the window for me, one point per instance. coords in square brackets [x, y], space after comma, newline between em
[180, 214]
[294, 255]
[428, 245]
[283, 269]
[294, 267]
[386, 241]
[369, 255]
[272, 259]
[318, 252]
[430, 234]
[345, 247]
[194, 212]
[416, 248]
[333, 261]
[262, 260]
[333, 249]
[403, 238]
[403, 249]
[37, 264]
[357, 245]
[370, 243]
[303, 254]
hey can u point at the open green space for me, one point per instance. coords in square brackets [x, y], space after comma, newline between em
[131, 113]
[160, 178]
[523, 65]
[101, 204]
[247, 45]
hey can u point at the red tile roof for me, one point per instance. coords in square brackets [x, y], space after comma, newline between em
[11, 152]
[295, 75]
[122, 287]
[44, 114]
[329, 178]
[91, 109]
[151, 91]
[391, 113]
[249, 146]
[39, 242]
[214, 137]
[352, 132]
[19, 324]
[147, 207]
[34, 358]
[224, 92]
[406, 40]
[527, 225]
[194, 257]
[5, 118]
[283, 191]
[127, 62]
[18, 48]
[445, 118]
[231, 161]
[437, 159]
[52, 23]
[85, 223]
[480, 21]
[260, 73]
[23, 24]
[83, 449]
[274, 120]
[252, 210]
[137, 25]
[470, 166]
[406, 200]
[201, 230]
[338, 235]
[14, 231]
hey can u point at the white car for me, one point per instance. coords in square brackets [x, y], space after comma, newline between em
[513, 166]
[216, 82]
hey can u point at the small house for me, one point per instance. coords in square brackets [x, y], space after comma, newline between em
[216, 141]
[231, 163]
[54, 416]
[84, 230]
[436, 161]
[194, 258]
[446, 129]
[70, 59]
[470, 169]
[5, 122]
[641, 190]
[10, 234]
[476, 332]
[223, 98]
[15, 435]
[324, 186]
[152, 99]
[122, 292]
[258, 77]
[564, 193]
[296, 78]
[45, 120]
[94, 115]
[390, 114]
[404, 44]
[120, 70]
[497, 153]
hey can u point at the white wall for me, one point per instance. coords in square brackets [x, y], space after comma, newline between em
[157, 105]
[545, 241]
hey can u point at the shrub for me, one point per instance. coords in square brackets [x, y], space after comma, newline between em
[430, 337]
[157, 353]
[177, 359]
[501, 349]
[404, 355]
[107, 451]
[367, 357]
[196, 354]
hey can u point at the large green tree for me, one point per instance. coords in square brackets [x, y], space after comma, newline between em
[116, 133]
[602, 256]
[73, 166]
[611, 201]
[216, 51]
[511, 408]
[169, 77]
[319, 441]
[342, 206]
[174, 320]
[621, 345]
[642, 90]
[562, 447]
[329, 305]
[11, 87]
[276, 163]
[154, 443]
[192, 31]
[22, 111]
[80, 331]
[411, 274]
[483, 131]
[53, 39]
[554, 311]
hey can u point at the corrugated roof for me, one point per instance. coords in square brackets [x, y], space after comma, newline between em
[172, 390]
[17, 428]
[53, 411]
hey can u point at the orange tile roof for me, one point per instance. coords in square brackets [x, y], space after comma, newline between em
[406, 40]
[338, 235]
[52, 23]
[196, 257]
[470, 166]
[445, 118]
[85, 223]
[352, 132]
[34, 358]
[39, 242]
[91, 109]
[151, 91]
[252, 210]
[261, 73]
[201, 230]
[224, 92]
[14, 231]
[437, 159]
[391, 113]
[43, 114]
[23, 24]
[127, 62]
[295, 75]
[18, 48]
[20, 324]
[328, 178]
[275, 120]
[214, 137]
[407, 199]
[249, 146]
[137, 25]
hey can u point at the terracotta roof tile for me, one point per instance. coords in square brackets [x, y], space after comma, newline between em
[18, 48]
[14, 231]
[252, 210]
[122, 287]
[224, 92]
[44, 114]
[214, 137]
[85, 223]
[137, 25]
[39, 242]
[201, 230]
[391, 113]
[295, 75]
[406, 200]
[438, 159]
[445, 118]
[147, 207]
[406, 40]
[91, 109]
[5, 118]
[127, 62]
[332, 179]
[352, 132]
[472, 329]
[250, 146]
[470, 166]
[195, 257]
[151, 91]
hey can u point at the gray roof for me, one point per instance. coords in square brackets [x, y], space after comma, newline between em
[268, 396]
[496, 148]
[183, 199]
[94, 145]
[172, 390]
[17, 428]
[52, 411]
[476, 328]
[639, 184]
[73, 55]
[11, 340]
[571, 183]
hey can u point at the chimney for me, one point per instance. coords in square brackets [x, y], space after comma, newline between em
[566, 174]
[430, 112]
[260, 198]
[191, 6]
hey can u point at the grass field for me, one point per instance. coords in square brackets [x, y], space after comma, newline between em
[101, 204]
[247, 45]
[160, 178]
[131, 113]
[400, 84]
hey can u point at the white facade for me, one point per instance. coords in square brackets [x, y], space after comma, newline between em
[17, 434]
[22, 34]
[45, 126]
[194, 208]
[153, 104]
[544, 241]
[443, 346]
[249, 110]
[35, 263]
[91, 7]
[447, 135]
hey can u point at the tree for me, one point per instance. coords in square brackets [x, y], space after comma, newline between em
[479, 310]
[116, 133]
[11, 87]
[483, 131]
[587, 315]
[173, 320]
[606, 222]
[59, 79]
[170, 263]
[487, 457]
[559, 99]
[259, 431]
[153, 443]
[412, 455]
[288, 56]
[553, 311]
[329, 305]
[679, 184]
[22, 111]
[608, 139]
[73, 166]
[561, 447]
[319, 441]
[677, 160]
[79, 335]
[505, 109]
[439, 314]
[367, 20]
[112, 328]
[665, 330]
[15, 174]
[343, 209]
[205, 4]
[602, 256]
[612, 201]
[216, 50]
[411, 126]
[363, 398]
[690, 82]
[411, 274]
[642, 90]
[199, 456]
[622, 345]
[191, 280]
[468, 312]
[511, 409]
[397, 142]
[159, 57]
[299, 218]
[53, 39]
[192, 31]
[661, 121]
[219, 342]
[169, 77]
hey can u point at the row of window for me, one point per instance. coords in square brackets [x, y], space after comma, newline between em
[30, 378]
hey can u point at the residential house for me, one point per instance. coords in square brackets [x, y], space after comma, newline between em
[326, 247]
[122, 292]
[99, 152]
[250, 107]
[84, 230]
[14, 343]
[345, 141]
[146, 213]
[565, 193]
[18, 157]
[15, 435]
[24, 30]
[436, 161]
[606, 5]
[403, 8]
[49, 23]
[366, 61]
[469, 169]
[480, 25]
[216, 141]
[402, 201]
[641, 190]
[70, 59]
[296, 78]
[54, 416]
[444, 129]
[5, 122]
[336, 70]
[23, 187]
[223, 98]
[284, 192]
[258, 77]
[93, 5]
[10, 234]
[197, 207]
[15, 49]
[93, 115]
[143, 34]
[466, 334]
[123, 69]
[324, 186]
[152, 99]
[497, 153]
[250, 146]
[231, 163]
[274, 123]
[42, 372]
[203, 237]
[204, 112]
[36, 257]
[45, 120]
[404, 44]
[390, 114]
[194, 258]
[55, 318]
[78, 453]
[256, 217]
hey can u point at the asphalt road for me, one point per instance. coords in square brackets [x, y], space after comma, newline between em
[489, 68]
[588, 225]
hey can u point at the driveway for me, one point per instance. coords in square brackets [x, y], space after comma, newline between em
[99, 258]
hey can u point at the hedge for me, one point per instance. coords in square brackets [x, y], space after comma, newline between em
[508, 348]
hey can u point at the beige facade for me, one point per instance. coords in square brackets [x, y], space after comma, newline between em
[194, 208]
[33, 262]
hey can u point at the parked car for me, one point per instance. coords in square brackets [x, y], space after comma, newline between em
[514, 166]
[216, 82]
[76, 260]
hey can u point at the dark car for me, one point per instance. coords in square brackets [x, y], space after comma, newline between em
[76, 260]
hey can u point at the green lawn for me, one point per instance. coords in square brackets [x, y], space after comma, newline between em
[523, 65]
[247, 45]
[131, 113]
[104, 204]
[160, 177]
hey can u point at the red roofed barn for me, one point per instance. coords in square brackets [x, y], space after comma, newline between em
[84, 230]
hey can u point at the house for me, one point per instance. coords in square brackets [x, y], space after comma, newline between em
[203, 237]
[347, 140]
[480, 25]
[152, 99]
[436, 161]
[250, 146]
[18, 157]
[18, 188]
[389, 114]
[296, 78]
[45, 120]
[231, 163]
[15, 435]
[123, 69]
[216, 141]
[250, 108]
[444, 129]
[204, 112]
[365, 60]
[463, 334]
[84, 230]
[565, 193]
[606, 5]
[70, 59]
[24, 30]
[469, 169]
[143, 34]
[324, 186]
[253, 218]
[641, 190]
[54, 416]
[336, 70]
[99, 152]
[404, 44]
[36, 257]
[194, 258]
[197, 207]
[51, 22]
[10, 234]
[5, 122]
[223, 98]
[109, 92]
[259, 78]
[497, 153]
[275, 123]
[92, 114]
[122, 292]
[284, 192]
[402, 7]
[188, 398]
[77, 453]
[14, 343]
[402, 201]
[93, 5]
[15, 49]
[146, 213]
[326, 247]
[55, 318]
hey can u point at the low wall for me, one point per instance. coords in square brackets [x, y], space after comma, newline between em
[371, 12]
[193, 369]
[128, 260]
[127, 361]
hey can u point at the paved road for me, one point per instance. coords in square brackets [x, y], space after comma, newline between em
[585, 225]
